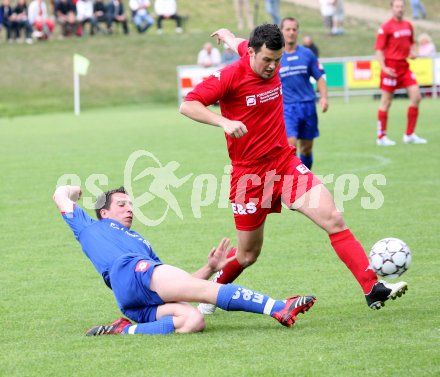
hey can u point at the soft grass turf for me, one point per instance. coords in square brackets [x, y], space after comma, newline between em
[51, 293]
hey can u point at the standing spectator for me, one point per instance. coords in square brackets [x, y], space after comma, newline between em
[229, 56]
[20, 21]
[418, 9]
[426, 45]
[141, 18]
[100, 14]
[394, 45]
[273, 8]
[5, 18]
[84, 15]
[308, 42]
[116, 13]
[167, 10]
[338, 18]
[65, 16]
[39, 19]
[298, 66]
[209, 56]
[243, 11]
[327, 8]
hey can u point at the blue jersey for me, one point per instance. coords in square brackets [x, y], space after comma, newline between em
[106, 240]
[296, 69]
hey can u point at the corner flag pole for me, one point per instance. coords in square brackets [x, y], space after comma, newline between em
[80, 67]
[76, 99]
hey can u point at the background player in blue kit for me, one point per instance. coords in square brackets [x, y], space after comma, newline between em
[147, 291]
[298, 64]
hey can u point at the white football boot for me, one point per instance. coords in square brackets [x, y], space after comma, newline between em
[385, 142]
[383, 291]
[413, 139]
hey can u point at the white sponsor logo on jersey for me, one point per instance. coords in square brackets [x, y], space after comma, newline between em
[402, 33]
[290, 58]
[240, 209]
[302, 169]
[251, 100]
[389, 82]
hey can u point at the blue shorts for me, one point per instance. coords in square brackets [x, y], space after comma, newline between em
[301, 120]
[130, 278]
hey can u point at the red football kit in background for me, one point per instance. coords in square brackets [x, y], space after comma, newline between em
[263, 162]
[395, 39]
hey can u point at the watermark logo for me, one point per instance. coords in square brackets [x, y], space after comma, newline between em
[155, 189]
[164, 178]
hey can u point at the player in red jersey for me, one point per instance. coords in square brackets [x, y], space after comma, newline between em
[394, 45]
[265, 169]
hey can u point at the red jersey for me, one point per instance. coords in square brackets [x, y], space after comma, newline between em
[246, 97]
[395, 39]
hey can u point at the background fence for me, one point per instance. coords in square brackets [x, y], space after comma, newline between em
[346, 77]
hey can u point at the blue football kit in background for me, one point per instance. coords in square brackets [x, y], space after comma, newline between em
[299, 94]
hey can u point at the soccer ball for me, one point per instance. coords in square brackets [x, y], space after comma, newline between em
[390, 257]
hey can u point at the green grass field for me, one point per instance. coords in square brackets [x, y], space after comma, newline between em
[50, 293]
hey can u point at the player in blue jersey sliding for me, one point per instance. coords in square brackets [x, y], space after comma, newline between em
[149, 292]
[298, 65]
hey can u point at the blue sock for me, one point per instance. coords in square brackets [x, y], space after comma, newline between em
[307, 160]
[164, 325]
[232, 297]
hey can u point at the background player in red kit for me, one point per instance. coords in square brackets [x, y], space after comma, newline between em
[265, 170]
[394, 45]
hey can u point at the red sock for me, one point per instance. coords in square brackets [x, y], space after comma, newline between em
[230, 272]
[382, 122]
[413, 114]
[351, 252]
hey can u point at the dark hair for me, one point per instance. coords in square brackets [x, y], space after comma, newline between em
[266, 34]
[289, 19]
[105, 199]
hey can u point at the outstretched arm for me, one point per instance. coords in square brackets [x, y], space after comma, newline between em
[65, 197]
[227, 37]
[217, 259]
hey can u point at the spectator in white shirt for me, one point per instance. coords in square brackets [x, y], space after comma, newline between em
[42, 24]
[84, 14]
[209, 56]
[141, 18]
[327, 8]
[167, 10]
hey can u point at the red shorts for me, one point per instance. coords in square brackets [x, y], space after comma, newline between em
[404, 77]
[258, 190]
